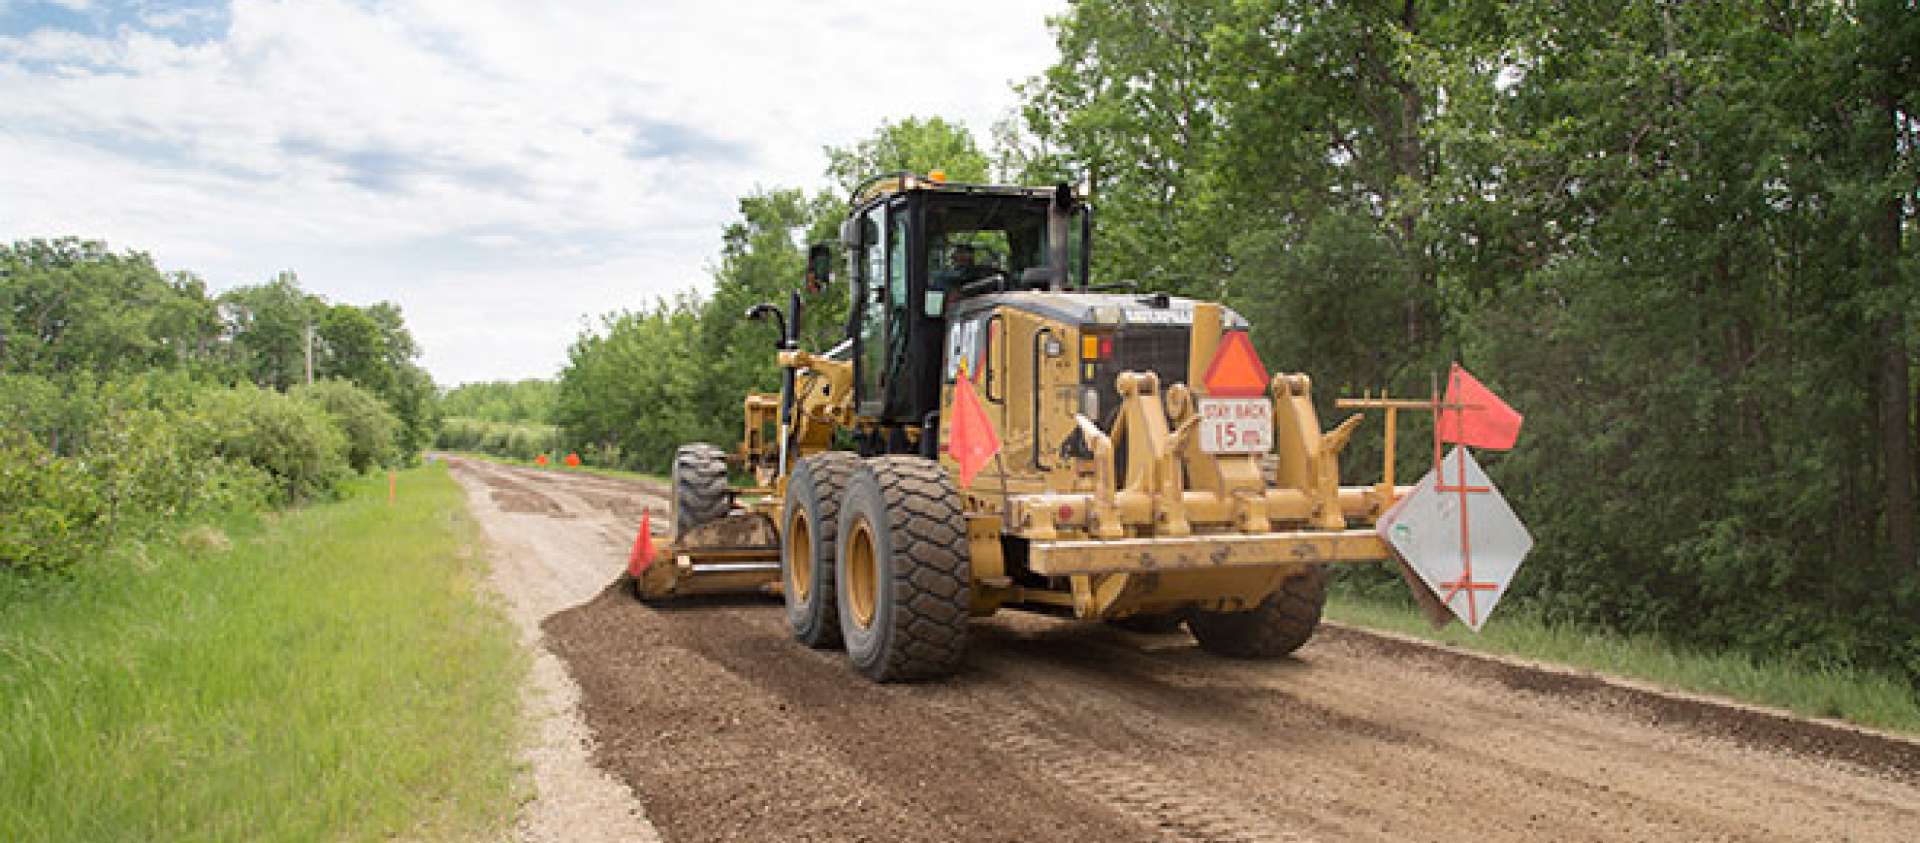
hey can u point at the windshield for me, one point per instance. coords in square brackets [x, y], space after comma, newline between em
[970, 238]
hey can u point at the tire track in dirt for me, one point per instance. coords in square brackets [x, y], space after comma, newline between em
[727, 730]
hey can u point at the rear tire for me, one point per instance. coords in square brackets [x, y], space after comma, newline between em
[1281, 624]
[902, 574]
[700, 491]
[807, 541]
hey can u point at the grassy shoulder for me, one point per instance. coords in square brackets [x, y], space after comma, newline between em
[1857, 696]
[332, 673]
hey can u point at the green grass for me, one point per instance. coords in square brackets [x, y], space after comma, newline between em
[1860, 696]
[332, 675]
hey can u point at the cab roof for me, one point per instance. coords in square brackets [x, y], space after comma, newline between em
[891, 184]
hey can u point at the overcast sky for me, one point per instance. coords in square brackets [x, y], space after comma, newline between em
[503, 170]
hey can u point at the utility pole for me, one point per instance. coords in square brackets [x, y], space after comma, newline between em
[309, 353]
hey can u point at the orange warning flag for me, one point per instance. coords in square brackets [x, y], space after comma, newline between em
[1236, 370]
[573, 460]
[642, 556]
[971, 439]
[540, 460]
[1485, 422]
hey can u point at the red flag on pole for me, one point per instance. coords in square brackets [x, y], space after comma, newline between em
[971, 439]
[1487, 421]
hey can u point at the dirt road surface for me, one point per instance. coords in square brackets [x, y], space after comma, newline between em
[543, 562]
[727, 730]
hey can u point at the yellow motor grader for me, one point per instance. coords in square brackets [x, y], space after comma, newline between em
[1136, 464]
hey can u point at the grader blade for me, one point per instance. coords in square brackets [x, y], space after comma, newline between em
[738, 553]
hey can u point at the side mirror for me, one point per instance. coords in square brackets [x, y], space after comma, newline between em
[850, 232]
[819, 267]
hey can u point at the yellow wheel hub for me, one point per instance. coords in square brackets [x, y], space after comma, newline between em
[800, 556]
[863, 575]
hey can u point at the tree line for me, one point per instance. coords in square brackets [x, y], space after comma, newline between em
[133, 398]
[1680, 236]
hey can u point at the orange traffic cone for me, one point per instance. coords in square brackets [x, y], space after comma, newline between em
[642, 556]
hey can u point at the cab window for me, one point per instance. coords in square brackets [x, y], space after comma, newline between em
[873, 304]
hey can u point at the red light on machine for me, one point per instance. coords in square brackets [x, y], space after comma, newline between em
[1106, 347]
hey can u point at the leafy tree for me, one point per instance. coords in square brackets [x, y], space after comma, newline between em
[70, 305]
[914, 145]
[270, 325]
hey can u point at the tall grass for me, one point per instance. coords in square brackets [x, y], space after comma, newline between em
[332, 675]
[1857, 695]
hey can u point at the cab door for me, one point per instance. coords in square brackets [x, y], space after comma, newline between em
[870, 333]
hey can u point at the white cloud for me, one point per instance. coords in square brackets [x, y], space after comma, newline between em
[501, 169]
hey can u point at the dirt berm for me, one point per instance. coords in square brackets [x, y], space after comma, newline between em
[728, 730]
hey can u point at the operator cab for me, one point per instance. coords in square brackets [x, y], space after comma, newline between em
[915, 247]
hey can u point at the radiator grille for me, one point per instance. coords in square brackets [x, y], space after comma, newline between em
[1160, 349]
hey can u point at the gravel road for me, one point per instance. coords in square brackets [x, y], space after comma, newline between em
[545, 560]
[727, 730]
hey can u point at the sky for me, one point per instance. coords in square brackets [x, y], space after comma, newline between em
[505, 171]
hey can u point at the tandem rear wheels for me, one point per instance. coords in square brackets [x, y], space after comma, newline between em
[874, 556]
[815, 490]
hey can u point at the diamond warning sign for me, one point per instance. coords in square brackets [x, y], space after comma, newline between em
[1459, 535]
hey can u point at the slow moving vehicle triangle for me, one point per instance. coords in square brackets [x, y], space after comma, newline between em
[1236, 370]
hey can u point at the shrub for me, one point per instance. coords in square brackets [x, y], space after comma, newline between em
[295, 442]
[51, 516]
[370, 428]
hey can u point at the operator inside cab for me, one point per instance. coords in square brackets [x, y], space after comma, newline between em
[963, 267]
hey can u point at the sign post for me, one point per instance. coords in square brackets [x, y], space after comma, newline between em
[1458, 535]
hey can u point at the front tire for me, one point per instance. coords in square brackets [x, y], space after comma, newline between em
[1281, 624]
[807, 540]
[700, 493]
[902, 574]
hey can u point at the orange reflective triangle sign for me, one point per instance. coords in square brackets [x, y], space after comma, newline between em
[1235, 371]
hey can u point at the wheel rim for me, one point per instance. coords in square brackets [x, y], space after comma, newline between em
[862, 575]
[800, 557]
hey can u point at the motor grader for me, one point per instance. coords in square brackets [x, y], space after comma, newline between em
[1136, 465]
